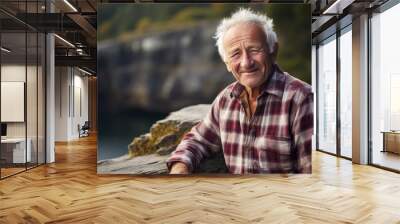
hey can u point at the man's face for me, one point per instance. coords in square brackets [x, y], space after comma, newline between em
[246, 54]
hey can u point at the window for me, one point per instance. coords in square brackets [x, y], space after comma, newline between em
[385, 87]
[327, 95]
[346, 92]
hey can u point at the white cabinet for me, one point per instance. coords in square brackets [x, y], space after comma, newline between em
[17, 146]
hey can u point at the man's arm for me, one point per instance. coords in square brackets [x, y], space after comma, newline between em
[197, 144]
[302, 131]
[179, 168]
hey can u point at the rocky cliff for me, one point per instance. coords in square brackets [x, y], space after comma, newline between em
[162, 71]
[147, 153]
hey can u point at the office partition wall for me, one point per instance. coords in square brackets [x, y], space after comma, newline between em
[22, 91]
[13, 79]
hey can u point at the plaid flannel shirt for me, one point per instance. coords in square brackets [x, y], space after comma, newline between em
[276, 139]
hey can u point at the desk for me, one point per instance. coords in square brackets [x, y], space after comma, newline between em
[13, 150]
[391, 141]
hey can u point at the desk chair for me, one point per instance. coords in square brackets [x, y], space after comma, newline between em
[84, 130]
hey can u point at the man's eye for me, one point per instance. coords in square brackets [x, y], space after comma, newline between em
[255, 50]
[235, 55]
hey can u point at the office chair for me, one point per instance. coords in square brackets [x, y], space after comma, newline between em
[84, 130]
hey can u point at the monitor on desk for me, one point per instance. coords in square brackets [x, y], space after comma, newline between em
[3, 130]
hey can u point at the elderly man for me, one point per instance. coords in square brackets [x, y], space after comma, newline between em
[263, 122]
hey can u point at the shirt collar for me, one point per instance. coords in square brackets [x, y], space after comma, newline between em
[274, 84]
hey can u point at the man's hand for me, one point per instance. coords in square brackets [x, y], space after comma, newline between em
[179, 168]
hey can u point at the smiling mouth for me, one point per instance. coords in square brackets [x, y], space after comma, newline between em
[249, 72]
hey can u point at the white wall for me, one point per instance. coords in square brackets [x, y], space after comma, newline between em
[33, 126]
[13, 73]
[71, 102]
[61, 103]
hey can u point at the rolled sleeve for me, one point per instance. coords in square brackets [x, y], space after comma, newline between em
[200, 142]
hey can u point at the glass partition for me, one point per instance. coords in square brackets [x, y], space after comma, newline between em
[41, 86]
[385, 89]
[327, 95]
[32, 85]
[346, 93]
[22, 88]
[14, 152]
[31, 100]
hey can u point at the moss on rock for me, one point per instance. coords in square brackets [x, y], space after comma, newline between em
[167, 133]
[151, 142]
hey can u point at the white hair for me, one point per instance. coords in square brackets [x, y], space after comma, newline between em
[246, 16]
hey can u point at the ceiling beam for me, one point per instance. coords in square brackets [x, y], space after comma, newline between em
[82, 61]
[49, 22]
[84, 24]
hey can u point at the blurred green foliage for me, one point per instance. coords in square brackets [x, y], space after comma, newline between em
[292, 22]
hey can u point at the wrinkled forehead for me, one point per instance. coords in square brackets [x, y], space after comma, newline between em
[244, 33]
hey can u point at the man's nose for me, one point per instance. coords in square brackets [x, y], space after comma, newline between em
[247, 61]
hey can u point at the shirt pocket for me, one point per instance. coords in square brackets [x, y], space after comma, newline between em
[274, 154]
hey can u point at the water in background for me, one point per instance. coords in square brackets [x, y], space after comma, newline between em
[118, 131]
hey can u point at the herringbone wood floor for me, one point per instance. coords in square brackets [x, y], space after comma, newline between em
[70, 191]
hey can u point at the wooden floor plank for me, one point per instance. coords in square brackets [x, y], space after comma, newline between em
[70, 191]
